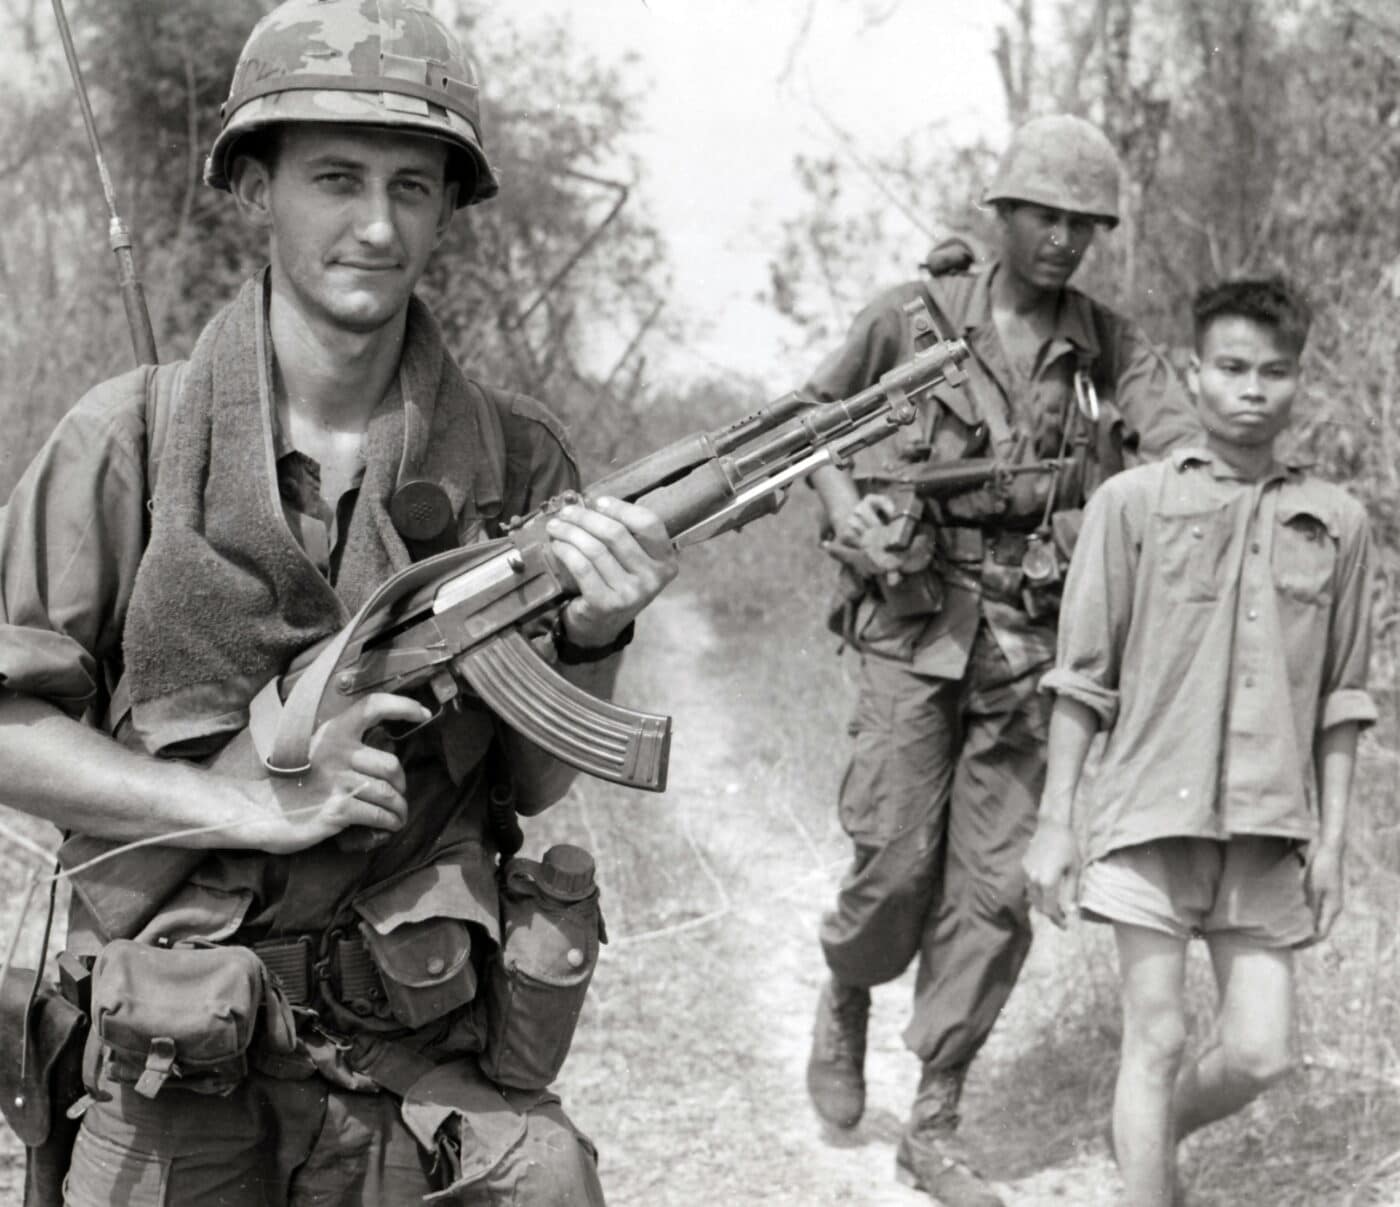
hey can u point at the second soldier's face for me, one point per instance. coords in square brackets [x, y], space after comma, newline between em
[1245, 380]
[1042, 246]
[355, 214]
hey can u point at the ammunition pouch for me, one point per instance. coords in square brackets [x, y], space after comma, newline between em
[551, 926]
[424, 970]
[183, 1017]
[421, 932]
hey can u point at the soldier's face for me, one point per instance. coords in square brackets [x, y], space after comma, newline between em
[1042, 246]
[354, 214]
[1245, 380]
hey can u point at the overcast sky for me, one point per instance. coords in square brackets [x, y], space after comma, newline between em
[736, 88]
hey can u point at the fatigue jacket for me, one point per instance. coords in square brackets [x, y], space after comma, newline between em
[1216, 626]
[1146, 412]
[71, 538]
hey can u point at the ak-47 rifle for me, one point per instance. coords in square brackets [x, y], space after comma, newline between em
[451, 625]
[454, 621]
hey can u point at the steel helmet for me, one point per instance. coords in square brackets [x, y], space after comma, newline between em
[1063, 162]
[364, 62]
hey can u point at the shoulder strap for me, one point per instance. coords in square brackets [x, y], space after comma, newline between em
[162, 392]
[1104, 371]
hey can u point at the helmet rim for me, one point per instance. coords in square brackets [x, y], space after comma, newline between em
[304, 106]
[385, 63]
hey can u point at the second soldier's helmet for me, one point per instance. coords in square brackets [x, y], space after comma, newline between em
[363, 62]
[1063, 162]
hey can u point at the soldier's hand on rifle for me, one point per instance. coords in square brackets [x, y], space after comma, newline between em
[350, 782]
[621, 558]
[869, 512]
[1048, 864]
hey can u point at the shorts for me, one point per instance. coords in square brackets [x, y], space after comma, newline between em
[1251, 886]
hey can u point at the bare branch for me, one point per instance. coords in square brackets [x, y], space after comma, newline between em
[798, 42]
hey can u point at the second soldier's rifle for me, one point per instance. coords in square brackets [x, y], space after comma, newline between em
[896, 553]
[449, 628]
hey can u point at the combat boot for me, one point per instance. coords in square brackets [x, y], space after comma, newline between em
[836, 1067]
[930, 1157]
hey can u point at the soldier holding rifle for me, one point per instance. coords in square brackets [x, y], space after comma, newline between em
[275, 649]
[319, 438]
[953, 612]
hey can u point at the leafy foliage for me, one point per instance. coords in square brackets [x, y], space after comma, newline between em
[1256, 136]
[158, 70]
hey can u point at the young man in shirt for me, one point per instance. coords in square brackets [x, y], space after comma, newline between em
[1216, 605]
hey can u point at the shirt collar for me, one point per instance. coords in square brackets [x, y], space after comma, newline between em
[1074, 321]
[1287, 468]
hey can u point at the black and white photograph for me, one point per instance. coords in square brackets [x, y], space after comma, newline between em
[688, 603]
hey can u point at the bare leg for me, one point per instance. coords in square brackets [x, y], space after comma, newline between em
[1153, 967]
[1253, 1043]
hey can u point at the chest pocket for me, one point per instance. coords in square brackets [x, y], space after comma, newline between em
[1190, 552]
[1305, 554]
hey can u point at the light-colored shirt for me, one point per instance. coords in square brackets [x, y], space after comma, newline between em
[1216, 626]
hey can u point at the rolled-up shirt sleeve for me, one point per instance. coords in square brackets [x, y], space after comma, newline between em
[1344, 695]
[1096, 607]
[1152, 398]
[71, 537]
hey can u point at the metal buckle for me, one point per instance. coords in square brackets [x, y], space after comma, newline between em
[354, 979]
[1086, 398]
[289, 962]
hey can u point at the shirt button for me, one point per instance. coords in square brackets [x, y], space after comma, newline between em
[1254, 548]
[575, 958]
[1249, 680]
[1184, 793]
[435, 966]
[1251, 615]
[1196, 531]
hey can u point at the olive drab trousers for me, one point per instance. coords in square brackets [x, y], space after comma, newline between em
[940, 799]
[275, 1143]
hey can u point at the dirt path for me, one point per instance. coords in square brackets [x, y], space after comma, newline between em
[689, 1063]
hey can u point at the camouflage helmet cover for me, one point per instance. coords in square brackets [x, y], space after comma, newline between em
[365, 62]
[1062, 162]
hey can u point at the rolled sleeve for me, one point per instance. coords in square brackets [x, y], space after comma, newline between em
[1096, 607]
[1087, 691]
[1344, 697]
[71, 537]
[36, 662]
[1350, 704]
